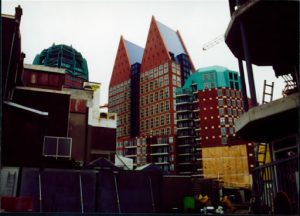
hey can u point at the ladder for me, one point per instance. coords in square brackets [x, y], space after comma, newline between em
[10, 183]
[261, 153]
[267, 92]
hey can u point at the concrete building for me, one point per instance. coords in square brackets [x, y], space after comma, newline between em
[207, 106]
[266, 33]
[144, 81]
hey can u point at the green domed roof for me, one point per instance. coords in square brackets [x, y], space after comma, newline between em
[63, 56]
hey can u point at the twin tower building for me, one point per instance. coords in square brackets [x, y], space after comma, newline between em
[167, 111]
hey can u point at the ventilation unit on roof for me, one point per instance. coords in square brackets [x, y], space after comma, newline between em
[57, 147]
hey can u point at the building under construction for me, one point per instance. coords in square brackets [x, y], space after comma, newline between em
[266, 33]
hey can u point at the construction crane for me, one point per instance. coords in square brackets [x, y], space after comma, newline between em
[213, 42]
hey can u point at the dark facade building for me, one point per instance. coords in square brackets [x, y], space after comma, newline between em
[62, 56]
[144, 81]
[43, 77]
[12, 57]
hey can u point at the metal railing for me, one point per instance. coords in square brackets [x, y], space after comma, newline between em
[274, 177]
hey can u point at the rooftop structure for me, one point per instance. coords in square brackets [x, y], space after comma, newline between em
[62, 56]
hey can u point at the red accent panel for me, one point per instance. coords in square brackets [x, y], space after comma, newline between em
[78, 106]
[16, 204]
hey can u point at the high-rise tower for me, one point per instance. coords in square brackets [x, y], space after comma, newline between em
[147, 133]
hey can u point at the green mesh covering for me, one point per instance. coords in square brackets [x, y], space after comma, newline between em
[63, 56]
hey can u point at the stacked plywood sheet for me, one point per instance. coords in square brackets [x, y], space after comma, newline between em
[228, 164]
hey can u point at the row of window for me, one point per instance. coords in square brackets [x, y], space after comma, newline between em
[158, 132]
[155, 109]
[229, 93]
[229, 102]
[123, 118]
[123, 131]
[120, 108]
[155, 96]
[230, 112]
[155, 72]
[120, 98]
[124, 86]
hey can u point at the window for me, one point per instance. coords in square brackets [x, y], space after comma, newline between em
[233, 103]
[224, 140]
[205, 77]
[228, 102]
[167, 119]
[168, 131]
[206, 85]
[232, 94]
[221, 111]
[222, 121]
[220, 102]
[223, 131]
[231, 130]
[227, 93]
[234, 112]
[162, 120]
[229, 111]
[220, 93]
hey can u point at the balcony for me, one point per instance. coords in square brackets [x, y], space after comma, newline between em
[159, 144]
[185, 154]
[184, 119]
[184, 163]
[130, 155]
[184, 111]
[184, 145]
[130, 147]
[162, 163]
[184, 102]
[185, 172]
[184, 136]
[185, 128]
[159, 153]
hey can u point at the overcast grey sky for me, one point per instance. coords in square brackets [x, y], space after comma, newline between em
[94, 28]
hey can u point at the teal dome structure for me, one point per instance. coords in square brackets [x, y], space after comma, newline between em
[67, 57]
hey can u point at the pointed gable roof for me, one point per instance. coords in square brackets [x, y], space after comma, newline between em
[134, 51]
[121, 70]
[171, 39]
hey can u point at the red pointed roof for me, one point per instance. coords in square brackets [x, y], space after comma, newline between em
[121, 69]
[156, 51]
[162, 40]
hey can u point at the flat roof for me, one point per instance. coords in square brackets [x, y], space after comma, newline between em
[8, 16]
[43, 90]
[45, 68]
[19, 106]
